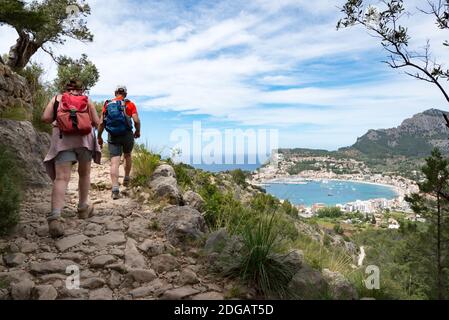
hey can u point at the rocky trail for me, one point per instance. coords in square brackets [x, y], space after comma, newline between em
[128, 250]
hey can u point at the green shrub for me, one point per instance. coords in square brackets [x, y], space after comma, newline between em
[331, 212]
[239, 177]
[222, 210]
[321, 256]
[262, 202]
[289, 209]
[10, 190]
[41, 94]
[182, 175]
[339, 229]
[144, 164]
[260, 262]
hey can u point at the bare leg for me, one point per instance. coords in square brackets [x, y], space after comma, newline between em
[128, 164]
[115, 164]
[63, 171]
[84, 182]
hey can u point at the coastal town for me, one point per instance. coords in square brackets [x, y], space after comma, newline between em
[325, 169]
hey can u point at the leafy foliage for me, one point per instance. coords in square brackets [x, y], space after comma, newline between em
[239, 177]
[330, 212]
[81, 69]
[144, 164]
[182, 175]
[41, 93]
[42, 24]
[14, 13]
[433, 203]
[385, 23]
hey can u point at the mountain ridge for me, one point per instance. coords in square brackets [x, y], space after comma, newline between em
[414, 137]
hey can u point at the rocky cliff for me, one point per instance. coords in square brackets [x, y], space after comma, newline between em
[15, 98]
[30, 147]
[28, 144]
[415, 137]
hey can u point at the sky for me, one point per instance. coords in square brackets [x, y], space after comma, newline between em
[260, 64]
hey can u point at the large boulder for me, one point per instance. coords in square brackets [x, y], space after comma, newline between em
[182, 225]
[221, 250]
[294, 260]
[308, 284]
[194, 200]
[30, 148]
[165, 171]
[22, 290]
[15, 97]
[340, 287]
[216, 241]
[164, 185]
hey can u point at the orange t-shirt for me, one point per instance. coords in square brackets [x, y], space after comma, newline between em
[130, 107]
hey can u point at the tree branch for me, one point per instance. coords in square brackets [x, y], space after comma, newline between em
[49, 52]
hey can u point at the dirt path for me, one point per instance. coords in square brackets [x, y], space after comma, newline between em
[121, 253]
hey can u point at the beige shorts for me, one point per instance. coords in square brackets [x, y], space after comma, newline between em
[74, 155]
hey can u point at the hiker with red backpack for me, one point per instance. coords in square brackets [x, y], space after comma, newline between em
[74, 120]
[117, 118]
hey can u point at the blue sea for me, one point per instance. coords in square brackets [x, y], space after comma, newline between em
[331, 193]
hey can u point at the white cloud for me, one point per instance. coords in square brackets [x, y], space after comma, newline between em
[221, 59]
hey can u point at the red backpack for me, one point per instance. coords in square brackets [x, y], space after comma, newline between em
[73, 115]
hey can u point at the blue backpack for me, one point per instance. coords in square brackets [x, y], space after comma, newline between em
[117, 123]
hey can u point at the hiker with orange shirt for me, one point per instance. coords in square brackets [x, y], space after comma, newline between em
[117, 117]
[74, 120]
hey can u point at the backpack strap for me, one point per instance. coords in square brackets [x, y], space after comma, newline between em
[55, 108]
[127, 118]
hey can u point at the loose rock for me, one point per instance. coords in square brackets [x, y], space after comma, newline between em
[113, 238]
[29, 247]
[54, 266]
[101, 261]
[208, 296]
[142, 275]
[69, 242]
[152, 247]
[45, 292]
[187, 276]
[194, 200]
[164, 263]
[133, 258]
[179, 293]
[101, 294]
[182, 225]
[14, 259]
[22, 290]
[93, 283]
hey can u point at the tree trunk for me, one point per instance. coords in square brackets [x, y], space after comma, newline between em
[439, 265]
[21, 53]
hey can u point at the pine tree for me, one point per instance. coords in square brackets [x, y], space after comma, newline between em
[429, 202]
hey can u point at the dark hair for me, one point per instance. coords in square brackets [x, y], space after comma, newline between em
[121, 92]
[74, 85]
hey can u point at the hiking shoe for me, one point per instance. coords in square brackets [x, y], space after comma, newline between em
[126, 181]
[86, 212]
[56, 228]
[115, 194]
